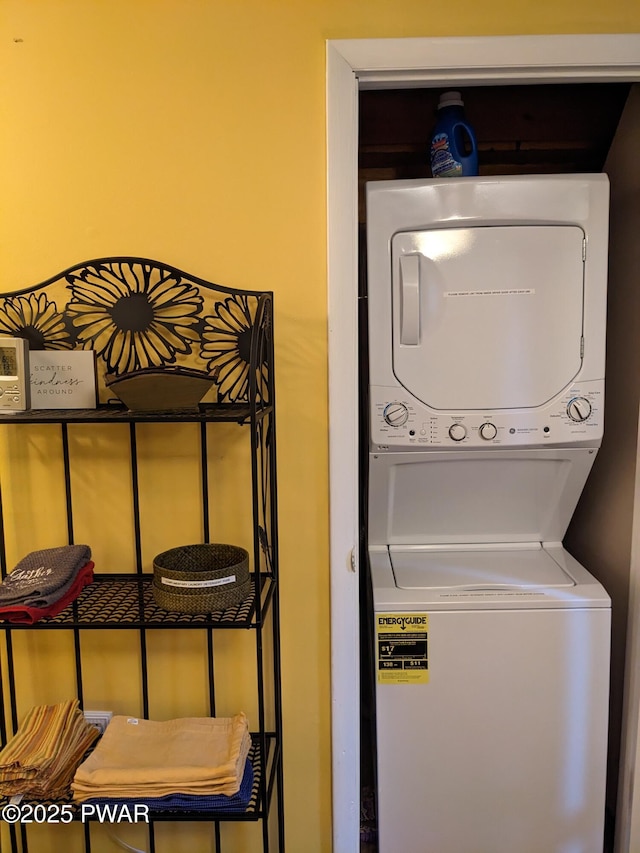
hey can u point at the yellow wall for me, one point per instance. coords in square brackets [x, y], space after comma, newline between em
[192, 131]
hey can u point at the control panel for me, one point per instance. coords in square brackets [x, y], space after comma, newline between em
[400, 421]
[10, 394]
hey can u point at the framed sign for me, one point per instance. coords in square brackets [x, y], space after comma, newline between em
[62, 380]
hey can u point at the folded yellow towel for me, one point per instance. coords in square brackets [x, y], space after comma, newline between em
[145, 758]
[41, 758]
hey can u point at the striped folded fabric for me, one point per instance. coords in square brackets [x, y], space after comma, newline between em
[42, 757]
[137, 758]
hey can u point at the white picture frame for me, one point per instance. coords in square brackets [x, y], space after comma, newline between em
[62, 380]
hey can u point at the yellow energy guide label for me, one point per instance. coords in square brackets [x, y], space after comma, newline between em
[403, 644]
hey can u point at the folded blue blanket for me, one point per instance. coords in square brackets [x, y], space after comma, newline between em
[191, 802]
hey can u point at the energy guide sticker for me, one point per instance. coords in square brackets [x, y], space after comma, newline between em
[402, 648]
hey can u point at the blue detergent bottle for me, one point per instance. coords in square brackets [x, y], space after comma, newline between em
[453, 147]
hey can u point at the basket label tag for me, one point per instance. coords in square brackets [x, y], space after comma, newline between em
[199, 584]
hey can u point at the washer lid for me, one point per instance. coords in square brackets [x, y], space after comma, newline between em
[444, 498]
[477, 570]
[487, 317]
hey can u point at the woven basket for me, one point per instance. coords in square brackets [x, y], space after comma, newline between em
[201, 578]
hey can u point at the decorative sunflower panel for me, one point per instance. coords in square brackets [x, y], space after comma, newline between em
[138, 314]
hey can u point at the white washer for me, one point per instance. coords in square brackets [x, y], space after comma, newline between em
[487, 314]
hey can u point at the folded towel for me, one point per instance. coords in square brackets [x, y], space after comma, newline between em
[145, 758]
[185, 802]
[23, 614]
[42, 757]
[42, 577]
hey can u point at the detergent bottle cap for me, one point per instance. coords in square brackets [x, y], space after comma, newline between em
[450, 99]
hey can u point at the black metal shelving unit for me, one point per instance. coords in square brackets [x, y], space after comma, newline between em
[123, 600]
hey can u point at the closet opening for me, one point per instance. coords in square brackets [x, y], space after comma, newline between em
[522, 129]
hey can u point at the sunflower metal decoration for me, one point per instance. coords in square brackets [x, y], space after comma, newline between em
[134, 315]
[137, 314]
[37, 319]
[226, 345]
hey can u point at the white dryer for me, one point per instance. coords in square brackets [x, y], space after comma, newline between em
[487, 301]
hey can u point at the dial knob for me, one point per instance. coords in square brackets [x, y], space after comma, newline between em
[395, 414]
[579, 409]
[457, 432]
[488, 431]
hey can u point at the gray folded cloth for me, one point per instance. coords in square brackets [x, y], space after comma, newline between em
[42, 577]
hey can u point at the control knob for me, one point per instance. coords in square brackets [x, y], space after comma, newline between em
[457, 432]
[395, 414]
[488, 431]
[579, 409]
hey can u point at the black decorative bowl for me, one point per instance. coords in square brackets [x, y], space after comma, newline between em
[158, 389]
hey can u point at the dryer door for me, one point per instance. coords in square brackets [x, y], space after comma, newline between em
[487, 317]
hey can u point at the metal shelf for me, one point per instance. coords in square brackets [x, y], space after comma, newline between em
[206, 413]
[115, 601]
[263, 763]
[126, 601]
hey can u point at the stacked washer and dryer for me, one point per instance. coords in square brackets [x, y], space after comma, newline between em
[487, 308]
